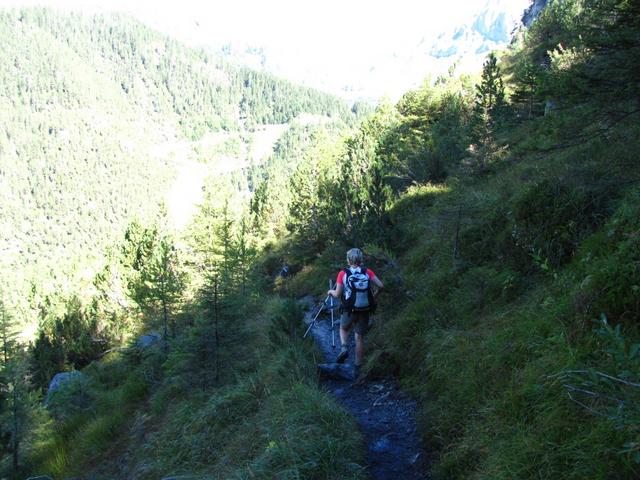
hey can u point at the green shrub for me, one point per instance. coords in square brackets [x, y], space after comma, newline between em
[608, 272]
[552, 218]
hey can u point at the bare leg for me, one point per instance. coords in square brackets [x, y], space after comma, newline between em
[344, 350]
[344, 336]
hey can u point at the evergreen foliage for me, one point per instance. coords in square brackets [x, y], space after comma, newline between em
[79, 164]
[517, 319]
[508, 236]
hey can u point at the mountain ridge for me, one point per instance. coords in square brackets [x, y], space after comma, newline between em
[465, 45]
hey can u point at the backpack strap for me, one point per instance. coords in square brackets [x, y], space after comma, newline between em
[347, 274]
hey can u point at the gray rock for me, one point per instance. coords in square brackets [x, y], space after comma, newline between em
[533, 11]
[549, 107]
[381, 445]
[68, 394]
[307, 301]
[63, 380]
[149, 340]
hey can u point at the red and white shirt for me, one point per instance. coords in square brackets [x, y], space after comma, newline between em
[340, 279]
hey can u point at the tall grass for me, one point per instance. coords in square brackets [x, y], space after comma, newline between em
[267, 418]
[506, 276]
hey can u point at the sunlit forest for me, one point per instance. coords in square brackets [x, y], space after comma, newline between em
[501, 209]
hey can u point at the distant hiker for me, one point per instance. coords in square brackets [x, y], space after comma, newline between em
[353, 287]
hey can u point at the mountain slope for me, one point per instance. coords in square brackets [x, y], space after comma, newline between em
[91, 109]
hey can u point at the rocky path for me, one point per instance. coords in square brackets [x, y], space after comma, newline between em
[385, 414]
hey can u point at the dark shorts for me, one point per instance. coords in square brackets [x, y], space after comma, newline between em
[359, 320]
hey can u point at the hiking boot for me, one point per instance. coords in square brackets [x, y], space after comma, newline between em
[342, 356]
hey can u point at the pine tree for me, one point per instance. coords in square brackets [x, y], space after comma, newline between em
[8, 333]
[20, 400]
[223, 247]
[303, 220]
[527, 86]
[488, 109]
[490, 96]
[242, 254]
[361, 195]
[162, 283]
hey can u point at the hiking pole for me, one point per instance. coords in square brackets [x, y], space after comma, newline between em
[333, 331]
[314, 318]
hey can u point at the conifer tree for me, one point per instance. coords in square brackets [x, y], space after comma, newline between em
[20, 400]
[488, 108]
[303, 220]
[223, 247]
[242, 254]
[361, 195]
[525, 94]
[162, 283]
[8, 334]
[490, 96]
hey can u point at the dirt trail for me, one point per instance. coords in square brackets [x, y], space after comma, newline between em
[385, 414]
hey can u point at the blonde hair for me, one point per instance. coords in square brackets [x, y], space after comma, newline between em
[355, 256]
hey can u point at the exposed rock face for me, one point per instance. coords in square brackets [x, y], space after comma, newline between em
[533, 11]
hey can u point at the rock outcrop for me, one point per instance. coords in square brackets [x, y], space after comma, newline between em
[531, 13]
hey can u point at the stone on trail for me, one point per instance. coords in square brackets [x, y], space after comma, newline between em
[340, 371]
[383, 444]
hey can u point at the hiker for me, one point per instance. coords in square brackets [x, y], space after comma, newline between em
[353, 287]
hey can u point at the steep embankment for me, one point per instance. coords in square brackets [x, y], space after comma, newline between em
[516, 282]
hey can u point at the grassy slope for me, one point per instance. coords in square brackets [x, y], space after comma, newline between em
[547, 244]
[266, 417]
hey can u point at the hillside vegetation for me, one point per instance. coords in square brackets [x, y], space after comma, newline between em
[502, 213]
[96, 113]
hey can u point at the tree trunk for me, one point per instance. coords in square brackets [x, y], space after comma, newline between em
[165, 316]
[16, 430]
[216, 323]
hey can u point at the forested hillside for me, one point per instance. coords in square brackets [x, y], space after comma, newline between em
[96, 113]
[502, 213]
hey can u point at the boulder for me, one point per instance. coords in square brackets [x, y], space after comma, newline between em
[149, 340]
[62, 380]
[68, 393]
